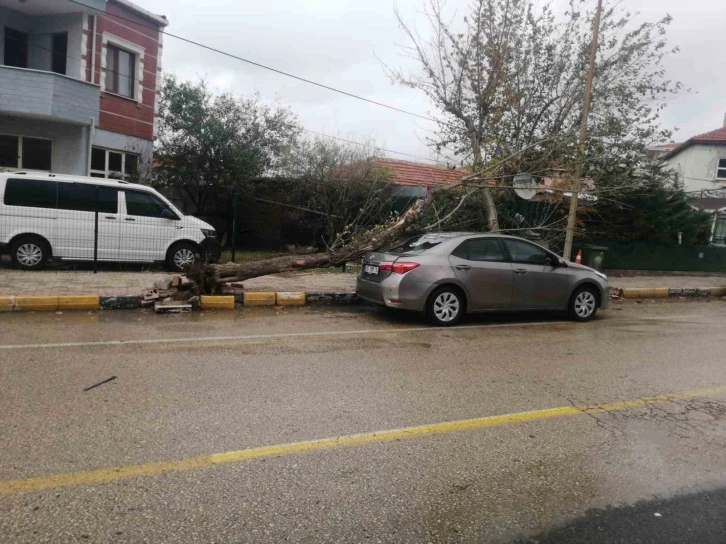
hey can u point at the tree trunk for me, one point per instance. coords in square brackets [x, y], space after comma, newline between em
[492, 215]
[211, 277]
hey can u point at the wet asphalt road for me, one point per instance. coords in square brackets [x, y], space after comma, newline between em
[193, 385]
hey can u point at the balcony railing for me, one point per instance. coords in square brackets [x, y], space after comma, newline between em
[47, 95]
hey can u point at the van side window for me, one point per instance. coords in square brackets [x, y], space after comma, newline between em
[144, 204]
[31, 193]
[82, 197]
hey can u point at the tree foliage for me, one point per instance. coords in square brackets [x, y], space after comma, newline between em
[508, 78]
[342, 181]
[211, 144]
[651, 208]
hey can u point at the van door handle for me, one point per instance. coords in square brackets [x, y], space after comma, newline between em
[130, 219]
[463, 267]
[520, 271]
[111, 217]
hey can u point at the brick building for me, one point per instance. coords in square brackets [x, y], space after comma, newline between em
[78, 86]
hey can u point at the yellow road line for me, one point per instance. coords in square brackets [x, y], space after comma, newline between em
[106, 475]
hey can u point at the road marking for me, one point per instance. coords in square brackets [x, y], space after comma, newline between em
[107, 475]
[286, 335]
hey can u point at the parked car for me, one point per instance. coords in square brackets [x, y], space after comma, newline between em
[450, 274]
[49, 216]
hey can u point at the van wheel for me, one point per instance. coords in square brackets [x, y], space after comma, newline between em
[181, 255]
[583, 304]
[29, 253]
[445, 307]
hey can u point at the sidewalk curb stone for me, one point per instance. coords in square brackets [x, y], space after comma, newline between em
[9, 303]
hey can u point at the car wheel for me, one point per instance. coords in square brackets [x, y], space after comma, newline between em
[445, 307]
[182, 255]
[29, 253]
[583, 305]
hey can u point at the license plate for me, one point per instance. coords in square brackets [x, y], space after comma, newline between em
[368, 269]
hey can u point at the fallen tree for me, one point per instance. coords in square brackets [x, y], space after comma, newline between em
[210, 278]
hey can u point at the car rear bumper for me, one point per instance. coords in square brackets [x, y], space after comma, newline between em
[391, 292]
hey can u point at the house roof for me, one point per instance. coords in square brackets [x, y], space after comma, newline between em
[663, 147]
[160, 19]
[416, 174]
[717, 137]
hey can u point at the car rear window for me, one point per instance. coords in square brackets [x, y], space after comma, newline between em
[417, 245]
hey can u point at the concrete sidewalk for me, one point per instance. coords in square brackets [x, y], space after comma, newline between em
[69, 282]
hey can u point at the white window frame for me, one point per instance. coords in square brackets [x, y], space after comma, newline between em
[721, 170]
[137, 51]
[106, 172]
[20, 152]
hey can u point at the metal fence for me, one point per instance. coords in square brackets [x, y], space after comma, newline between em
[651, 256]
[43, 217]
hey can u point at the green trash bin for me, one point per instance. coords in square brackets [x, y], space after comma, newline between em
[593, 256]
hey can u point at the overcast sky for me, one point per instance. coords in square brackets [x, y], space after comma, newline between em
[339, 42]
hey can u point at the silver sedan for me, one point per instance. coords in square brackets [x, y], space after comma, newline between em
[449, 274]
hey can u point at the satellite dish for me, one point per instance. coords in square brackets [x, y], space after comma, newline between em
[524, 186]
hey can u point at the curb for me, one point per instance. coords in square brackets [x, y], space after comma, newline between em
[24, 303]
[282, 298]
[671, 292]
[49, 303]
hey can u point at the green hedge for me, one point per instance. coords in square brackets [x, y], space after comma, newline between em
[650, 256]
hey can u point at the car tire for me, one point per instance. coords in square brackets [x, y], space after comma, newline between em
[181, 255]
[445, 307]
[583, 304]
[29, 252]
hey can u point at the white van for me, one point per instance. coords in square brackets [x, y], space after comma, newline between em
[53, 216]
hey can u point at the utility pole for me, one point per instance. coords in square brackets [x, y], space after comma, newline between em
[572, 218]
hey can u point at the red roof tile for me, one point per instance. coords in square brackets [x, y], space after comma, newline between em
[414, 173]
[717, 136]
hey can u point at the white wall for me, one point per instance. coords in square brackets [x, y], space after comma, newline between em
[696, 166]
[40, 28]
[70, 142]
[130, 144]
[40, 42]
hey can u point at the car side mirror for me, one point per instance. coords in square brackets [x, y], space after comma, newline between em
[554, 261]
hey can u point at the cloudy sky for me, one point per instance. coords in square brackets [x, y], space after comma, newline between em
[339, 43]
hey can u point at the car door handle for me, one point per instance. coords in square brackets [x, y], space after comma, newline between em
[130, 219]
[520, 271]
[111, 217]
[463, 267]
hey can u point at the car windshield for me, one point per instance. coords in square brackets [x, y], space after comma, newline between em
[418, 245]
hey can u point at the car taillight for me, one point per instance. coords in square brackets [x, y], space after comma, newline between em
[398, 267]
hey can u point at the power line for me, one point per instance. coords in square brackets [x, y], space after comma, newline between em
[259, 65]
[371, 146]
[321, 134]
